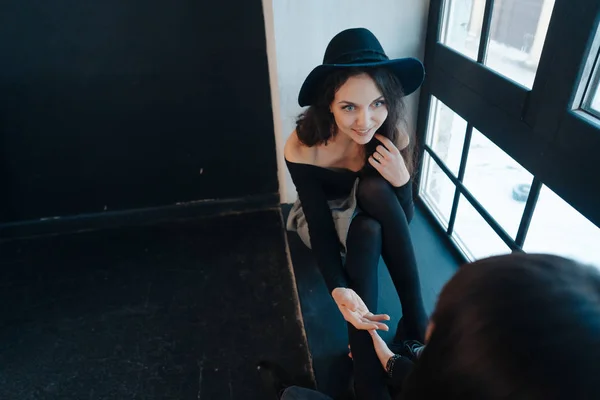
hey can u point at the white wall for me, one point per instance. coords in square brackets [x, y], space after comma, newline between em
[297, 34]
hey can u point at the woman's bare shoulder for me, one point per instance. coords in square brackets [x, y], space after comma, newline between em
[403, 140]
[297, 152]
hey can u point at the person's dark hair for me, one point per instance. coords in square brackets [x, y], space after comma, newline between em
[316, 124]
[514, 327]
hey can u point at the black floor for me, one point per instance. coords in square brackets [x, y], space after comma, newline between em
[172, 311]
[325, 327]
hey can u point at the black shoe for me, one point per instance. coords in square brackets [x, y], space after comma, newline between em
[274, 378]
[413, 349]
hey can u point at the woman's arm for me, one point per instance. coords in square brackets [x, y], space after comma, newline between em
[389, 163]
[323, 236]
[405, 197]
[396, 366]
[326, 248]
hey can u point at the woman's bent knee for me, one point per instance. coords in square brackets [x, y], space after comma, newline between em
[372, 191]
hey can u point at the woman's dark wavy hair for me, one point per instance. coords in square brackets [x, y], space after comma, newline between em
[316, 124]
[520, 326]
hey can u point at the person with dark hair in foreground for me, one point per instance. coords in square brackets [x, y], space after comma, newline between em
[519, 326]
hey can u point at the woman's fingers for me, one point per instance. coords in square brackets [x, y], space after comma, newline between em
[365, 323]
[375, 163]
[387, 143]
[377, 317]
[356, 312]
[383, 327]
[381, 158]
[382, 169]
[375, 325]
[383, 151]
[365, 326]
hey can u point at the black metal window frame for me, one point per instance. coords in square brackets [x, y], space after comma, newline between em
[592, 69]
[548, 129]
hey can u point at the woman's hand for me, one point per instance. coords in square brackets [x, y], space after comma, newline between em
[356, 312]
[381, 348]
[389, 162]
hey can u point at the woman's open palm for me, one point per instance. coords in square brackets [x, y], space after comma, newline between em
[356, 312]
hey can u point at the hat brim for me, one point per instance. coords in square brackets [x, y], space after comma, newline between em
[410, 72]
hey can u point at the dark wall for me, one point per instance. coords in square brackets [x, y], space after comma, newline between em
[119, 104]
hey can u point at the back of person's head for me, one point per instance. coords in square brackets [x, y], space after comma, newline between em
[514, 327]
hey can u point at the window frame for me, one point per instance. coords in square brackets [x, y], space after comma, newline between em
[587, 93]
[540, 128]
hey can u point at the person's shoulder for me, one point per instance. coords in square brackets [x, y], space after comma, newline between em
[297, 152]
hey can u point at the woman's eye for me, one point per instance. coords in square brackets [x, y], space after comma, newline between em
[379, 103]
[348, 108]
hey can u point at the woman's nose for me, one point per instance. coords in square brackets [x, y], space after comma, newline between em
[363, 119]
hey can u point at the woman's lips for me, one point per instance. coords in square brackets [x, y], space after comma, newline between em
[361, 132]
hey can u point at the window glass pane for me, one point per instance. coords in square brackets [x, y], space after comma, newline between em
[517, 34]
[497, 181]
[596, 100]
[558, 228]
[476, 238]
[446, 134]
[462, 24]
[437, 189]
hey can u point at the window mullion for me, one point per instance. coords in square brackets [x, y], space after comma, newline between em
[485, 31]
[461, 175]
[532, 198]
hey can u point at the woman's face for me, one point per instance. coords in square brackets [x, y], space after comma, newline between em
[359, 108]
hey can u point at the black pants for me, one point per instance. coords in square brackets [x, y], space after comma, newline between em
[381, 229]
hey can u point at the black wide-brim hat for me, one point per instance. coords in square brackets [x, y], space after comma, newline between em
[355, 48]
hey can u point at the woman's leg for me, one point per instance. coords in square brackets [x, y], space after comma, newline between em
[362, 258]
[377, 198]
